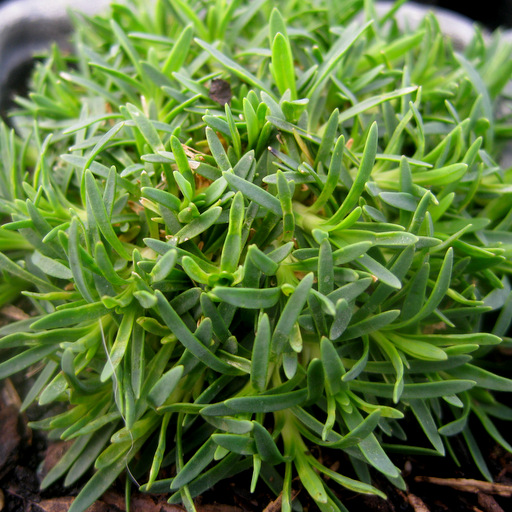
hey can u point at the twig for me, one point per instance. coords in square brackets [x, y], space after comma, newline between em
[275, 506]
[417, 503]
[469, 485]
[488, 503]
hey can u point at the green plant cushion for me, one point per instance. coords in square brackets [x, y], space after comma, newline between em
[242, 231]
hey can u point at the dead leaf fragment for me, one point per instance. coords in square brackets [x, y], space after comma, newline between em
[63, 504]
[9, 436]
[218, 508]
[220, 91]
[54, 453]
[149, 503]
[13, 313]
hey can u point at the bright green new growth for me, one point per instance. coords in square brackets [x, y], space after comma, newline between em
[219, 287]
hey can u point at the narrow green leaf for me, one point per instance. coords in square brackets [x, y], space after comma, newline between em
[233, 132]
[264, 262]
[100, 482]
[335, 54]
[127, 46]
[195, 465]
[261, 354]
[309, 478]
[71, 316]
[76, 264]
[123, 337]
[252, 123]
[363, 174]
[266, 403]
[233, 243]
[255, 193]
[370, 446]
[217, 150]
[341, 320]
[88, 456]
[419, 349]
[101, 217]
[483, 378]
[165, 386]
[146, 128]
[333, 175]
[438, 292]
[282, 68]
[164, 266]
[51, 267]
[491, 429]
[250, 298]
[285, 191]
[291, 313]
[181, 331]
[66, 461]
[198, 225]
[236, 443]
[421, 390]
[379, 271]
[333, 367]
[396, 360]
[349, 483]
[10, 267]
[359, 433]
[103, 143]
[427, 423]
[179, 51]
[325, 268]
[476, 453]
[327, 143]
[266, 445]
[440, 176]
[372, 102]
[21, 361]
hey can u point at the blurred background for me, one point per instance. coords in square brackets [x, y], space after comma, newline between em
[491, 13]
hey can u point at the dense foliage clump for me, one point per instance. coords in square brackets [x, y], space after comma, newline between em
[245, 230]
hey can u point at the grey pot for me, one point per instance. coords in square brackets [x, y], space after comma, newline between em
[27, 28]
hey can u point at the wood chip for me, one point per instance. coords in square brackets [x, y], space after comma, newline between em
[469, 485]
